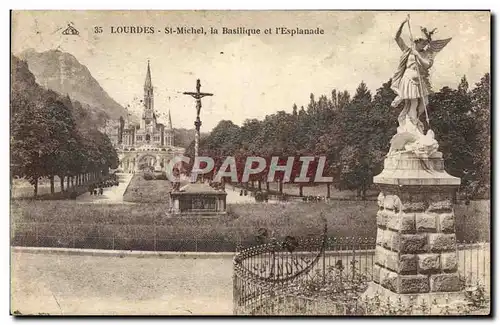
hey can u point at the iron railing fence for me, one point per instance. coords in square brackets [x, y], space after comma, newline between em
[146, 237]
[474, 258]
[344, 258]
[344, 267]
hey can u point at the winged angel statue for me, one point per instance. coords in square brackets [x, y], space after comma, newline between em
[412, 86]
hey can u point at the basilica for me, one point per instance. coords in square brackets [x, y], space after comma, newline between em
[149, 144]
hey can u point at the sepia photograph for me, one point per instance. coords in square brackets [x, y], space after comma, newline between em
[250, 163]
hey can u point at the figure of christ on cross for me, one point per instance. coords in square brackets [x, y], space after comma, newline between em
[198, 95]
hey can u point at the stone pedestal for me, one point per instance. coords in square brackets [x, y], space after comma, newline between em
[198, 200]
[416, 251]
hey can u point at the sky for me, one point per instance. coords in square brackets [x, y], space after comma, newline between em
[251, 76]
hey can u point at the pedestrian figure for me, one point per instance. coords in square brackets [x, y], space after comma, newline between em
[101, 191]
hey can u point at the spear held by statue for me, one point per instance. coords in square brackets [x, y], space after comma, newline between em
[420, 85]
[411, 83]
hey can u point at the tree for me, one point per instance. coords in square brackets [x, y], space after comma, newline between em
[248, 132]
[354, 134]
[62, 130]
[382, 126]
[29, 143]
[463, 86]
[356, 169]
[312, 106]
[277, 135]
[225, 138]
[451, 120]
[302, 111]
[51, 135]
[481, 107]
[27, 124]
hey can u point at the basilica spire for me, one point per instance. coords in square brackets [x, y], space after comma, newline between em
[148, 91]
[169, 123]
[148, 84]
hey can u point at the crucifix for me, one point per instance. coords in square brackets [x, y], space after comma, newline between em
[198, 96]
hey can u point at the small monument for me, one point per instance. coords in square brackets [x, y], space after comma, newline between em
[198, 199]
[416, 252]
[195, 198]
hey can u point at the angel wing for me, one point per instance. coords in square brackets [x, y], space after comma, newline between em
[437, 45]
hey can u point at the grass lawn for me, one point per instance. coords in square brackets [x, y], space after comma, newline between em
[146, 225]
[143, 191]
[21, 188]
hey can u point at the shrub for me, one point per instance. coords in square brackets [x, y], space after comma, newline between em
[148, 176]
[261, 196]
[477, 297]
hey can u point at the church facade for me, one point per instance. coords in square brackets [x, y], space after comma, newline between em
[149, 144]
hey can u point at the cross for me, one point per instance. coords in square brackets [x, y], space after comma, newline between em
[198, 95]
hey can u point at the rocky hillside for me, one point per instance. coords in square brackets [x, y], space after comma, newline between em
[61, 72]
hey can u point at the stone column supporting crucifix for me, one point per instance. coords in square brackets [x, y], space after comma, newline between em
[197, 123]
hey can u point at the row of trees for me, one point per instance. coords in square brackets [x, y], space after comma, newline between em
[354, 133]
[51, 136]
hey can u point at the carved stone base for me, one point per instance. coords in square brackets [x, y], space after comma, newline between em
[407, 169]
[416, 251]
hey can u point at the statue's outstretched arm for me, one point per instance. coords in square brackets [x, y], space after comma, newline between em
[398, 38]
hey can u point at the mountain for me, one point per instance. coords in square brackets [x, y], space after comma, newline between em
[61, 72]
[25, 90]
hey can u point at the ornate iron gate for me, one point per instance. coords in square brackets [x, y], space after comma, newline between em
[267, 278]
